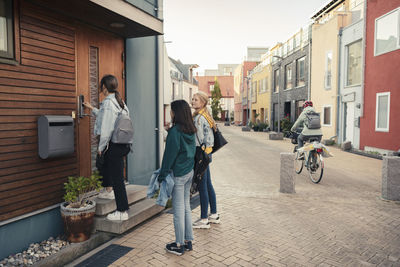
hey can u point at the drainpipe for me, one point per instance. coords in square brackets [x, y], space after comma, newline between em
[159, 50]
[309, 68]
[338, 97]
[363, 65]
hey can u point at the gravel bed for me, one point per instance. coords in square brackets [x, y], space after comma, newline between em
[35, 252]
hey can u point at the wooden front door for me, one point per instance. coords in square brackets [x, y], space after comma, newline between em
[98, 53]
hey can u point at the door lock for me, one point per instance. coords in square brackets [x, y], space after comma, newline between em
[81, 113]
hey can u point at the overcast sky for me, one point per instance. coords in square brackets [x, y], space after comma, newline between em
[211, 32]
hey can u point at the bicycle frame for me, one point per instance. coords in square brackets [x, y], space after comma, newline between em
[313, 164]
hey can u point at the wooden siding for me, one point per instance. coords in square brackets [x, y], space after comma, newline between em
[43, 83]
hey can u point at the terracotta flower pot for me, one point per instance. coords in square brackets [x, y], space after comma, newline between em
[78, 222]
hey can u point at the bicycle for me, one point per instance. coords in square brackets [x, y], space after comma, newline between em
[312, 158]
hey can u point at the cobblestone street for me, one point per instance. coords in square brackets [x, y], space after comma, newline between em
[340, 222]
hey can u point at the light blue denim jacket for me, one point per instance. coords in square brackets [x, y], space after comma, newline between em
[105, 119]
[204, 132]
[166, 187]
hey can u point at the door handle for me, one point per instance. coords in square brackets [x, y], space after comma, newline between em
[81, 113]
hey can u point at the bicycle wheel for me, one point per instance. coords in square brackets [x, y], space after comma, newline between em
[298, 163]
[315, 167]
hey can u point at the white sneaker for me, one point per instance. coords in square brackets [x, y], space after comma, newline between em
[118, 216]
[214, 218]
[107, 195]
[201, 224]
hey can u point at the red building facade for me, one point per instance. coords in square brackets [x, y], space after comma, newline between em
[206, 83]
[241, 106]
[380, 124]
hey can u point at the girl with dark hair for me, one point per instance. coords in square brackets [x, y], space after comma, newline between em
[112, 172]
[179, 158]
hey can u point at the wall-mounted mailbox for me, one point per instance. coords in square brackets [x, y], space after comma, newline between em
[56, 136]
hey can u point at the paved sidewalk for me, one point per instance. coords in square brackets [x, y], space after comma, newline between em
[340, 222]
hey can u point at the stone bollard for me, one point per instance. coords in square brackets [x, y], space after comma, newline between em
[275, 136]
[287, 173]
[391, 178]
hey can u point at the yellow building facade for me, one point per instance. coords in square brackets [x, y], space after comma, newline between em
[237, 84]
[261, 91]
[324, 66]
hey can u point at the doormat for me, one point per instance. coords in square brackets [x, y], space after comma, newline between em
[105, 256]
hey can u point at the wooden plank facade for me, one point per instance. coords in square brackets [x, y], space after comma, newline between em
[52, 67]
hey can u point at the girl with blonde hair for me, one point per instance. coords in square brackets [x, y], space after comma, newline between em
[204, 122]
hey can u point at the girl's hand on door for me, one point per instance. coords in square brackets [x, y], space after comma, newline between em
[86, 104]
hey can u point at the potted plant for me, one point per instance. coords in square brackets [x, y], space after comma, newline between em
[78, 210]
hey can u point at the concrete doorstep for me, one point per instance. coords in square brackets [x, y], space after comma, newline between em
[141, 209]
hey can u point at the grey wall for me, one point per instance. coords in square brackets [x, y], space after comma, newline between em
[141, 94]
[16, 236]
[350, 34]
[294, 94]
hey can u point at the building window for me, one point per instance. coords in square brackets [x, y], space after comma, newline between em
[298, 108]
[227, 71]
[6, 30]
[305, 36]
[387, 32]
[297, 41]
[300, 72]
[328, 70]
[327, 116]
[284, 49]
[382, 112]
[290, 46]
[354, 64]
[276, 81]
[210, 87]
[288, 76]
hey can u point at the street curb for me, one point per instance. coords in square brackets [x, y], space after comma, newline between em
[365, 154]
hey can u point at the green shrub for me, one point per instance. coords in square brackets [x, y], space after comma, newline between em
[78, 189]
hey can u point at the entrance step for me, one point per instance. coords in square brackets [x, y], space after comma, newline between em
[134, 193]
[138, 213]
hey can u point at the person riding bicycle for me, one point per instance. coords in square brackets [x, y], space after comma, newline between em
[309, 131]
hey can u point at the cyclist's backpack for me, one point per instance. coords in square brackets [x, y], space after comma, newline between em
[313, 120]
[123, 129]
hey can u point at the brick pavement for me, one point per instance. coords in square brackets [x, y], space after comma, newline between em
[340, 222]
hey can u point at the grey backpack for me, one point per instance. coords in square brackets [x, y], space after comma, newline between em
[313, 120]
[123, 129]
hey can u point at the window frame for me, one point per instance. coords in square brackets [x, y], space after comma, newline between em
[276, 80]
[377, 129]
[297, 71]
[326, 86]
[347, 63]
[291, 76]
[323, 115]
[10, 53]
[398, 31]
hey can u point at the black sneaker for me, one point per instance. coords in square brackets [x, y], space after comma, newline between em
[188, 246]
[175, 249]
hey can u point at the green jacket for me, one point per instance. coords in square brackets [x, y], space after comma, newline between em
[178, 154]
[301, 122]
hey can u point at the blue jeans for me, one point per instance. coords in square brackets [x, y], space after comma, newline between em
[181, 208]
[207, 195]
